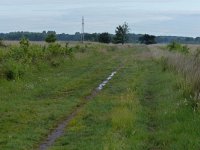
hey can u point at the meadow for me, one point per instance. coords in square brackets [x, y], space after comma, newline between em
[151, 103]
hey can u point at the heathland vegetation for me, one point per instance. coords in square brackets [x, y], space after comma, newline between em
[151, 103]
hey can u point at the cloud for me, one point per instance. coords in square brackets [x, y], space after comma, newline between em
[144, 16]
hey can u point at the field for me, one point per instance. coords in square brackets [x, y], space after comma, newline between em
[151, 103]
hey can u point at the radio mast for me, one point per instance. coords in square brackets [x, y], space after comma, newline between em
[83, 26]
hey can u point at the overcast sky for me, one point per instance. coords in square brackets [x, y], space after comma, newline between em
[159, 17]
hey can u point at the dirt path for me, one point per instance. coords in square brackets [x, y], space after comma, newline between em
[60, 130]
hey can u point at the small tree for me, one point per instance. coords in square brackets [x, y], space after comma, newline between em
[147, 39]
[51, 38]
[104, 38]
[24, 44]
[121, 33]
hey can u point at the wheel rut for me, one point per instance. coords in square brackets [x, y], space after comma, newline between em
[61, 128]
[150, 105]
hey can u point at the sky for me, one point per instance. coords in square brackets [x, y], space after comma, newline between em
[157, 17]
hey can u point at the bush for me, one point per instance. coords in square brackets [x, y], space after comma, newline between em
[16, 53]
[55, 62]
[13, 70]
[81, 49]
[55, 49]
[51, 38]
[69, 51]
[174, 46]
[2, 55]
[15, 59]
[24, 44]
[104, 38]
[147, 39]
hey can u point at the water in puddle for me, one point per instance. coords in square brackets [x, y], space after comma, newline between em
[101, 86]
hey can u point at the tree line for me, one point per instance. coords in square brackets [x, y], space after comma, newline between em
[121, 35]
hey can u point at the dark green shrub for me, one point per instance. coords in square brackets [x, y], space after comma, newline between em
[55, 49]
[104, 38]
[51, 38]
[16, 53]
[24, 44]
[69, 51]
[13, 70]
[174, 46]
[35, 53]
[55, 62]
[185, 49]
[147, 39]
[2, 55]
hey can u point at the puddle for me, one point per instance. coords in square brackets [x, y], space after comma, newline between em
[60, 130]
[101, 86]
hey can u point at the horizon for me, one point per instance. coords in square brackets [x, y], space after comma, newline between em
[100, 33]
[155, 17]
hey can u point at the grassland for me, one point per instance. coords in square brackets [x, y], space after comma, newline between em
[142, 107]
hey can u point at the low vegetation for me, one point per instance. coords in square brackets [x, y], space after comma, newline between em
[146, 105]
[16, 61]
[141, 108]
[187, 66]
[51, 38]
[174, 46]
[105, 38]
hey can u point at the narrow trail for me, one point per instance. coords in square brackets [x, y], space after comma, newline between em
[60, 129]
[150, 103]
[151, 124]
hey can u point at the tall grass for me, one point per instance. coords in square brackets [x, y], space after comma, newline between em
[187, 66]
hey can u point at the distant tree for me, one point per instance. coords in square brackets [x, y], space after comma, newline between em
[78, 33]
[92, 37]
[51, 38]
[147, 39]
[51, 32]
[44, 32]
[121, 33]
[104, 38]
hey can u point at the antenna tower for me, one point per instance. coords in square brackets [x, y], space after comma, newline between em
[83, 26]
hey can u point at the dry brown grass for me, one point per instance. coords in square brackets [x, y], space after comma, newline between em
[186, 65]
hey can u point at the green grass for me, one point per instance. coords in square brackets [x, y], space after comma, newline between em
[142, 107]
[32, 106]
